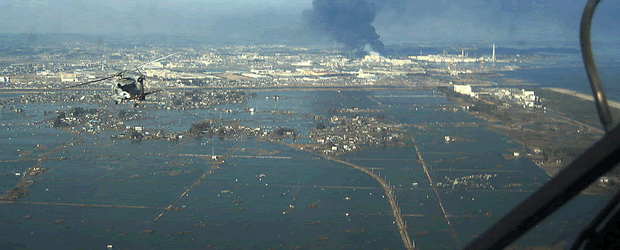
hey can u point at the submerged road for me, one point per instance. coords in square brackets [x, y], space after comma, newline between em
[445, 214]
[389, 192]
[20, 189]
[216, 165]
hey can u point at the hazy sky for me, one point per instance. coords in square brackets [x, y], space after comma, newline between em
[275, 20]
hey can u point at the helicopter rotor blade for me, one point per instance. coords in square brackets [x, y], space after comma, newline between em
[117, 74]
[142, 65]
[153, 61]
[89, 82]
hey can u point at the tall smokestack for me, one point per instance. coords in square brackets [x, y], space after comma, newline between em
[493, 57]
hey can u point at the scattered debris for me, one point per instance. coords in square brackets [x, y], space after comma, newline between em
[323, 238]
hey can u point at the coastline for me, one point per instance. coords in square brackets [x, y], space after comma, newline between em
[576, 94]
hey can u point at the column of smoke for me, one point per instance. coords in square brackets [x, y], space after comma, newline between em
[348, 22]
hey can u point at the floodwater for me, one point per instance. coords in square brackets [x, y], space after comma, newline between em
[122, 187]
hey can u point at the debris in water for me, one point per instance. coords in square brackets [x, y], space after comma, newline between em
[323, 238]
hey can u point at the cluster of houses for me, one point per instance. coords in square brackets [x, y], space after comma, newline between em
[348, 134]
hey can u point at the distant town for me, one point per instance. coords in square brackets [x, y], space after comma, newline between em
[200, 77]
[266, 117]
[243, 66]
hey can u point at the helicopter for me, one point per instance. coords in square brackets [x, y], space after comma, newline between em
[126, 88]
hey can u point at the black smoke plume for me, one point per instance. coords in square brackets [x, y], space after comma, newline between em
[346, 21]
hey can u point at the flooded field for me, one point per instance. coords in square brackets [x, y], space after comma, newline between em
[262, 193]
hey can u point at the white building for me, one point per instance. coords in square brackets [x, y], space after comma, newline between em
[361, 74]
[462, 89]
[526, 98]
[528, 95]
[68, 77]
